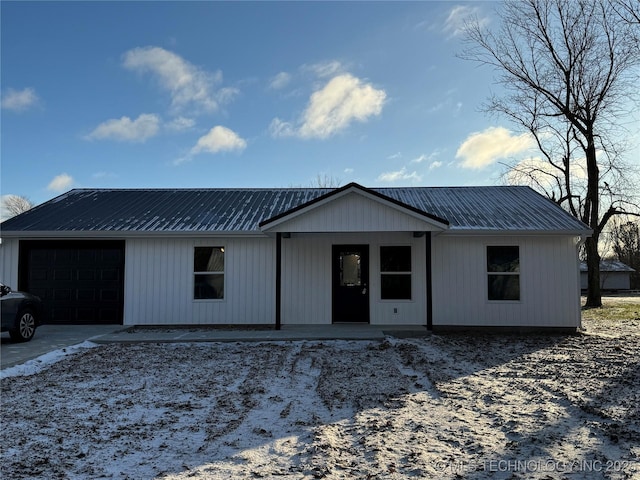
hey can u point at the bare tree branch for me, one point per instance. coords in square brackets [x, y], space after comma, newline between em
[568, 68]
[15, 205]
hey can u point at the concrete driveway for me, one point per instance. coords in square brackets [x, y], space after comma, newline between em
[47, 339]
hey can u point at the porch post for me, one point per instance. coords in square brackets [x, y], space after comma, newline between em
[278, 278]
[427, 246]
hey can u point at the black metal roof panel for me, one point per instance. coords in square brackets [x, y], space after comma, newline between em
[242, 210]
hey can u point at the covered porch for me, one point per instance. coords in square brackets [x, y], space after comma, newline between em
[353, 256]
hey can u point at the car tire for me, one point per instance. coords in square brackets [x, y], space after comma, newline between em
[25, 326]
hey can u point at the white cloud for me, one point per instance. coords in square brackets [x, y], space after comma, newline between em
[399, 175]
[454, 25]
[481, 149]
[342, 100]
[279, 128]
[429, 158]
[60, 183]
[279, 81]
[180, 124]
[348, 170]
[219, 139]
[226, 94]
[324, 69]
[127, 130]
[394, 156]
[190, 86]
[19, 100]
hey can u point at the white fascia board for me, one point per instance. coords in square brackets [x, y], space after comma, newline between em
[521, 233]
[123, 234]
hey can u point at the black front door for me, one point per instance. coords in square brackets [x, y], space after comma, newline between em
[350, 277]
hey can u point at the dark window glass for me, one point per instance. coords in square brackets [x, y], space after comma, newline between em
[208, 259]
[395, 259]
[395, 273]
[503, 268]
[503, 259]
[395, 287]
[208, 285]
[504, 287]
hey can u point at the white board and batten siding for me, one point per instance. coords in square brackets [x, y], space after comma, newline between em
[354, 213]
[159, 282]
[549, 288]
[307, 282]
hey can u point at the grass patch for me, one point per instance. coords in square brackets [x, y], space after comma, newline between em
[612, 310]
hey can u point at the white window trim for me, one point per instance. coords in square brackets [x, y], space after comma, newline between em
[194, 273]
[488, 273]
[381, 273]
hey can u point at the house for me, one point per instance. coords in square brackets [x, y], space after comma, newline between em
[614, 275]
[444, 257]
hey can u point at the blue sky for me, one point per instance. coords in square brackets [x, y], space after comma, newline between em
[271, 94]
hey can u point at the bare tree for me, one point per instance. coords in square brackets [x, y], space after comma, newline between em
[15, 205]
[626, 245]
[629, 10]
[568, 69]
[326, 181]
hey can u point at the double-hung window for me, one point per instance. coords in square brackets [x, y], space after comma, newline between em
[208, 272]
[503, 272]
[395, 273]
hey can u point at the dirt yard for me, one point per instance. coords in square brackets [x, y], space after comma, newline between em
[543, 407]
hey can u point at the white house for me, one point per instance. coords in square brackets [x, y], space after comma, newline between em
[446, 257]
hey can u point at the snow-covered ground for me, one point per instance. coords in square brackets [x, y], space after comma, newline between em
[458, 406]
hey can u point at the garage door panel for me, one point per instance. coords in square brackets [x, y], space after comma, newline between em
[80, 282]
[110, 275]
[86, 275]
[86, 295]
[40, 274]
[61, 294]
[61, 275]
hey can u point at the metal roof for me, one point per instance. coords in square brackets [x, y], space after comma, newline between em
[476, 209]
[609, 266]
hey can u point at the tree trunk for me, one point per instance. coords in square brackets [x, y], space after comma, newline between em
[594, 296]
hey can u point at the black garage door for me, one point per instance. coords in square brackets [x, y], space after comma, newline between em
[80, 282]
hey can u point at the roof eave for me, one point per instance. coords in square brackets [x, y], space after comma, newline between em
[488, 232]
[94, 234]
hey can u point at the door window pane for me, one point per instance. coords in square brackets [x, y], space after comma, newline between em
[350, 270]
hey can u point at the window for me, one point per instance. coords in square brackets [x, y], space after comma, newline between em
[395, 273]
[503, 272]
[208, 270]
[350, 271]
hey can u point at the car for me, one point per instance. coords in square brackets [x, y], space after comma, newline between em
[20, 312]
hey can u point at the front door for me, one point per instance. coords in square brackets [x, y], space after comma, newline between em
[350, 274]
